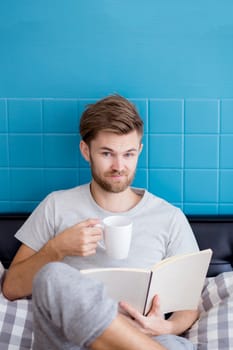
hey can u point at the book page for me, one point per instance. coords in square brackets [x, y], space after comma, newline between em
[179, 283]
[128, 285]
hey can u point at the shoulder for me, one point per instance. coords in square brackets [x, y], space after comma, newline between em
[151, 200]
[160, 209]
[71, 193]
[61, 199]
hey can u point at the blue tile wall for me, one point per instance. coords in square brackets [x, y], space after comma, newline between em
[5, 185]
[166, 116]
[226, 144]
[186, 159]
[201, 151]
[3, 116]
[60, 116]
[226, 116]
[226, 188]
[167, 183]
[179, 49]
[165, 151]
[24, 116]
[4, 151]
[25, 150]
[202, 116]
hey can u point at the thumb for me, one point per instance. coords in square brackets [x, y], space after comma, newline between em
[155, 307]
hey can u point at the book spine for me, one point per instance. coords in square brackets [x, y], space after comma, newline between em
[147, 293]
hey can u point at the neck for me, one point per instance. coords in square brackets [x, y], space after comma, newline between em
[114, 202]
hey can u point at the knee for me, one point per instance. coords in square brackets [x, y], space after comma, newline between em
[48, 275]
[47, 270]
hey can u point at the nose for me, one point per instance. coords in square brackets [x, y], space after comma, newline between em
[118, 163]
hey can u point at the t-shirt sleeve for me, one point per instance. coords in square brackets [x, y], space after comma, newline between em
[182, 239]
[39, 227]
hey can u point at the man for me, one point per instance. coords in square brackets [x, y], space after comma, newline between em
[71, 311]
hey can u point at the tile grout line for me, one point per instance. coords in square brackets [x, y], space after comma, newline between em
[218, 156]
[42, 143]
[147, 145]
[8, 154]
[183, 154]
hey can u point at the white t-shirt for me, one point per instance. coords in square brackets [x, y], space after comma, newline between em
[160, 229]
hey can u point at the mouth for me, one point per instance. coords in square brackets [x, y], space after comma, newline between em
[117, 176]
[117, 173]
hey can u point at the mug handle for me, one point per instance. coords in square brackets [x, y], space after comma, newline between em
[101, 243]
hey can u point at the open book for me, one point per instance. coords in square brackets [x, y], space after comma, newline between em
[178, 281]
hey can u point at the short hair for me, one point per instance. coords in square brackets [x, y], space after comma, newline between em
[113, 113]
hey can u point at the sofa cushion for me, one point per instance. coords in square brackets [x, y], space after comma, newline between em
[213, 329]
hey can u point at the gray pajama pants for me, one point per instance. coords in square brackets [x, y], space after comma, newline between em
[70, 311]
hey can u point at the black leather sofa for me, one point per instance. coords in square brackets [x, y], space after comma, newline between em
[211, 231]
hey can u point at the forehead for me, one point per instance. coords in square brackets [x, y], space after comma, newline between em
[115, 142]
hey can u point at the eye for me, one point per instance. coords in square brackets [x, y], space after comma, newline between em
[129, 155]
[106, 154]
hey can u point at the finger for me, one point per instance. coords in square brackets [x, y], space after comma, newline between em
[131, 311]
[93, 229]
[89, 233]
[88, 249]
[90, 238]
[94, 234]
[137, 319]
[155, 306]
[88, 223]
[89, 252]
[134, 323]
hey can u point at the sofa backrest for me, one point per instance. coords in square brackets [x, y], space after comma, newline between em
[9, 225]
[215, 232]
[211, 231]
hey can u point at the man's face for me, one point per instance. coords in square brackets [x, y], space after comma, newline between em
[113, 159]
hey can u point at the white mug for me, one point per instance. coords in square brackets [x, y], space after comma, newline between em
[117, 234]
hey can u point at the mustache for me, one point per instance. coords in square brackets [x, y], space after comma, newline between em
[116, 173]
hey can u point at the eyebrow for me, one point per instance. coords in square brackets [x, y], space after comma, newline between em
[111, 150]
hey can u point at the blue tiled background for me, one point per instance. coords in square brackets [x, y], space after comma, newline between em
[173, 59]
[187, 156]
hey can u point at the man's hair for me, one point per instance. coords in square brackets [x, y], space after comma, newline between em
[113, 113]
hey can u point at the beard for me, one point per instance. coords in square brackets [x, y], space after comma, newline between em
[108, 184]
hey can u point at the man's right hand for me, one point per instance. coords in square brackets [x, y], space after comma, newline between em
[80, 239]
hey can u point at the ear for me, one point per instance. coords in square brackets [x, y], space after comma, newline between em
[84, 149]
[140, 148]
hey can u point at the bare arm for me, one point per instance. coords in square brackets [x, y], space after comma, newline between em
[80, 239]
[112, 338]
[180, 321]
[18, 279]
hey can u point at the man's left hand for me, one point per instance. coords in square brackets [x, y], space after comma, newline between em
[152, 324]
